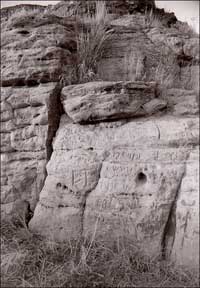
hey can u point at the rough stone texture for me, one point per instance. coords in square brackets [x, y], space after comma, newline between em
[98, 101]
[37, 57]
[116, 169]
[138, 50]
[27, 128]
[186, 245]
[182, 102]
[120, 178]
[119, 7]
[37, 48]
[7, 12]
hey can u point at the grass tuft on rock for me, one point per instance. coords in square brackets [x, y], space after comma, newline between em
[91, 43]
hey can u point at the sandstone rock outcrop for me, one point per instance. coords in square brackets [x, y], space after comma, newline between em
[139, 51]
[29, 119]
[110, 100]
[119, 7]
[117, 157]
[32, 53]
[119, 178]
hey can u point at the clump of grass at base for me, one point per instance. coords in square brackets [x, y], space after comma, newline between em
[90, 43]
[31, 261]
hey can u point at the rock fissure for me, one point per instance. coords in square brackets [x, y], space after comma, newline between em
[55, 110]
[85, 200]
[170, 227]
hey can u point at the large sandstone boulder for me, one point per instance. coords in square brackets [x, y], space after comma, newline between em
[98, 101]
[121, 178]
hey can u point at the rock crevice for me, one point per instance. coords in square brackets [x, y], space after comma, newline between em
[170, 228]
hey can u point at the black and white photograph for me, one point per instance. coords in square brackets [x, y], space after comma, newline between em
[99, 144]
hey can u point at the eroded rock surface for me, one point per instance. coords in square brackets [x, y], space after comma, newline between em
[35, 51]
[29, 119]
[125, 155]
[138, 50]
[98, 101]
[122, 177]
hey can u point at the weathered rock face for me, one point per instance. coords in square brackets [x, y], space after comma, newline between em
[186, 245]
[138, 50]
[119, 7]
[125, 157]
[35, 50]
[29, 119]
[98, 101]
[124, 177]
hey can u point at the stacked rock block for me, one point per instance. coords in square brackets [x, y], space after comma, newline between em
[35, 50]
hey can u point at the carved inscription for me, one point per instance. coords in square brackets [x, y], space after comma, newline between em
[184, 203]
[79, 179]
[148, 155]
[117, 204]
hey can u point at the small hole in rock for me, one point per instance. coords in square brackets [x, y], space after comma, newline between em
[141, 178]
[58, 185]
[64, 187]
[23, 32]
[150, 194]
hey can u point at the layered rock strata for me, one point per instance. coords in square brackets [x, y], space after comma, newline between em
[35, 50]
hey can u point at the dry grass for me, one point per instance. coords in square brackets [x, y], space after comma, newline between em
[29, 261]
[152, 20]
[90, 43]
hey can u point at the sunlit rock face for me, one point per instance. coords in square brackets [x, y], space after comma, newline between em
[98, 101]
[122, 177]
[31, 51]
[116, 157]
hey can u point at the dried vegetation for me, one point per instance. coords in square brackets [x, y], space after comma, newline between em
[27, 260]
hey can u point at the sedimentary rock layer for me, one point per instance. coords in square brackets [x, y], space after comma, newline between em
[36, 49]
[98, 101]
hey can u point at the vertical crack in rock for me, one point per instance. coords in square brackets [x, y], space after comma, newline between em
[85, 199]
[55, 110]
[170, 227]
[157, 127]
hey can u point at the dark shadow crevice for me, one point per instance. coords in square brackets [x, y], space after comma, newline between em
[55, 110]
